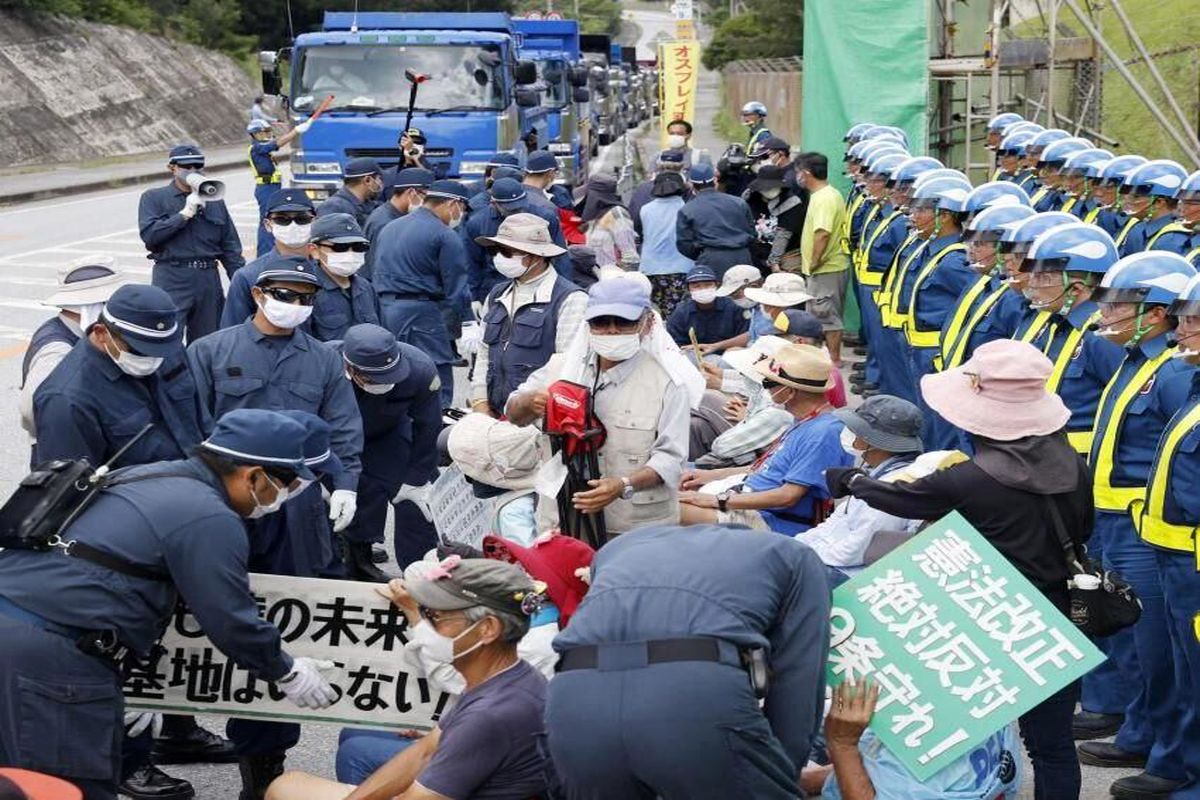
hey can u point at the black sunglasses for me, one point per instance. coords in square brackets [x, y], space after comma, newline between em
[190, 166]
[346, 247]
[299, 218]
[290, 295]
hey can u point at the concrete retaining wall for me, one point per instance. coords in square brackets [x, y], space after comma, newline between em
[74, 91]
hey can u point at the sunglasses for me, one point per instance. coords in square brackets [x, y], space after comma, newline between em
[346, 247]
[190, 167]
[291, 219]
[290, 295]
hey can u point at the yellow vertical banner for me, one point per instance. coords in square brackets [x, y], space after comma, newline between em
[678, 70]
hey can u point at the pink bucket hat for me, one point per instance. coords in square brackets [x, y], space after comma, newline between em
[1000, 393]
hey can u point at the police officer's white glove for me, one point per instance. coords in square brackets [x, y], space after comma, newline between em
[191, 206]
[306, 686]
[342, 505]
[304, 126]
[138, 722]
[477, 309]
[418, 496]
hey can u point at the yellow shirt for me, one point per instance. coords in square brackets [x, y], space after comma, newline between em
[826, 212]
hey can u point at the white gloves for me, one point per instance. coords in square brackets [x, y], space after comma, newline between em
[477, 309]
[138, 722]
[191, 206]
[304, 126]
[418, 495]
[306, 686]
[342, 505]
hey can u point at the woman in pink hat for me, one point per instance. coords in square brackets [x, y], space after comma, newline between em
[1022, 464]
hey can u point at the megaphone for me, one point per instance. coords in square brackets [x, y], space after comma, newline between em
[209, 189]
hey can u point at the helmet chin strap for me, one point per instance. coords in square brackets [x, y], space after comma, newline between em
[1139, 330]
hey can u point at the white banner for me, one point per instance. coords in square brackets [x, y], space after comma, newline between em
[458, 514]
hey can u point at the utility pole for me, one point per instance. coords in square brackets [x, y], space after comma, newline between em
[1053, 34]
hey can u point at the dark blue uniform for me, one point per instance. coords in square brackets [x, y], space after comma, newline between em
[400, 431]
[343, 201]
[1110, 221]
[481, 275]
[266, 185]
[691, 728]
[88, 408]
[724, 320]
[239, 303]
[60, 709]
[1149, 234]
[420, 264]
[335, 309]
[376, 220]
[715, 229]
[185, 254]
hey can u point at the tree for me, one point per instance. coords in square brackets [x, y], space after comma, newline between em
[765, 32]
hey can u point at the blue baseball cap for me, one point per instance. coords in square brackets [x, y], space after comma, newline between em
[293, 269]
[361, 167]
[262, 438]
[290, 200]
[540, 161]
[702, 173]
[146, 318]
[187, 154]
[617, 297]
[373, 351]
[413, 178]
[800, 323]
[507, 190]
[337, 228]
[670, 157]
[318, 457]
[516, 173]
[504, 159]
[699, 274]
[449, 190]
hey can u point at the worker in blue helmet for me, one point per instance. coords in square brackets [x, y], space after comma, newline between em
[754, 117]
[1107, 189]
[1050, 195]
[1150, 195]
[1015, 242]
[1011, 154]
[264, 155]
[1189, 213]
[996, 129]
[1077, 177]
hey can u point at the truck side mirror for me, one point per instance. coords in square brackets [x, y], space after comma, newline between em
[580, 94]
[528, 98]
[268, 62]
[525, 73]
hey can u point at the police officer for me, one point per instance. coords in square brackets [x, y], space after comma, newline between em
[362, 183]
[173, 530]
[1149, 387]
[674, 713]
[83, 288]
[1150, 196]
[754, 118]
[501, 160]
[1032, 160]
[541, 169]
[1167, 519]
[531, 314]
[419, 264]
[508, 197]
[713, 228]
[995, 135]
[480, 200]
[1189, 213]
[1111, 216]
[1010, 153]
[396, 386]
[1078, 175]
[264, 151]
[186, 236]
[345, 297]
[1053, 194]
[289, 218]
[406, 192]
[1037, 326]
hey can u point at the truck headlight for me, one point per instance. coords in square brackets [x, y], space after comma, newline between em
[322, 168]
[559, 148]
[472, 167]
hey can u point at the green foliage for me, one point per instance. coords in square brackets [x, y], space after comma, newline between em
[764, 32]
[595, 16]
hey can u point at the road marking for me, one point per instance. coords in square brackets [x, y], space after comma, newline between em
[65, 203]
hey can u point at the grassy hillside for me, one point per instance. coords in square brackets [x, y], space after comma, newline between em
[1163, 25]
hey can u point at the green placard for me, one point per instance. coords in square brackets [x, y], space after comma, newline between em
[960, 643]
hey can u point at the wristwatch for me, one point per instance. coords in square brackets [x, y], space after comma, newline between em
[723, 501]
[627, 492]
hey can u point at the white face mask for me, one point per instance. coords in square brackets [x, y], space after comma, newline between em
[771, 194]
[344, 264]
[509, 266]
[133, 365]
[744, 302]
[704, 296]
[292, 235]
[675, 141]
[376, 388]
[439, 648]
[615, 347]
[847, 438]
[285, 315]
[261, 510]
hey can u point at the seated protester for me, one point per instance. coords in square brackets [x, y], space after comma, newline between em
[801, 327]
[785, 491]
[736, 281]
[553, 559]
[486, 745]
[885, 433]
[863, 768]
[713, 319]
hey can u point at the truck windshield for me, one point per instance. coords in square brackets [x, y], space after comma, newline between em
[371, 77]
[553, 73]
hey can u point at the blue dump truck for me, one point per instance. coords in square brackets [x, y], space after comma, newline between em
[474, 98]
[553, 45]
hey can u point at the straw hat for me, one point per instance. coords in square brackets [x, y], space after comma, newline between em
[780, 289]
[799, 366]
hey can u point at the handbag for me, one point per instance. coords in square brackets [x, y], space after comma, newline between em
[1102, 602]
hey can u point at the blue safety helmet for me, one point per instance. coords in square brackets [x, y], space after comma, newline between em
[990, 222]
[889, 132]
[1018, 236]
[1055, 154]
[1187, 304]
[999, 122]
[1073, 247]
[1154, 277]
[1086, 162]
[257, 125]
[856, 131]
[941, 172]
[996, 193]
[1018, 127]
[1014, 143]
[854, 151]
[1190, 190]
[910, 169]
[754, 107]
[874, 154]
[883, 165]
[1045, 138]
[943, 194]
[1115, 171]
[1159, 178]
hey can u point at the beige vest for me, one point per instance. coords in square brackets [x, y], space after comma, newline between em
[629, 411]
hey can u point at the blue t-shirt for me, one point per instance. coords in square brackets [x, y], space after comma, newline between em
[760, 324]
[809, 447]
[488, 749]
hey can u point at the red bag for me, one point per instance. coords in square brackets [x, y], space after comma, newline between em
[569, 415]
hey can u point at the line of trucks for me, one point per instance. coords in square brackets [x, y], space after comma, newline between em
[486, 83]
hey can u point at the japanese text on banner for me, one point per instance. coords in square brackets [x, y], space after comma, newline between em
[679, 69]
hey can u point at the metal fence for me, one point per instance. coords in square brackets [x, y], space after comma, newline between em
[776, 82]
